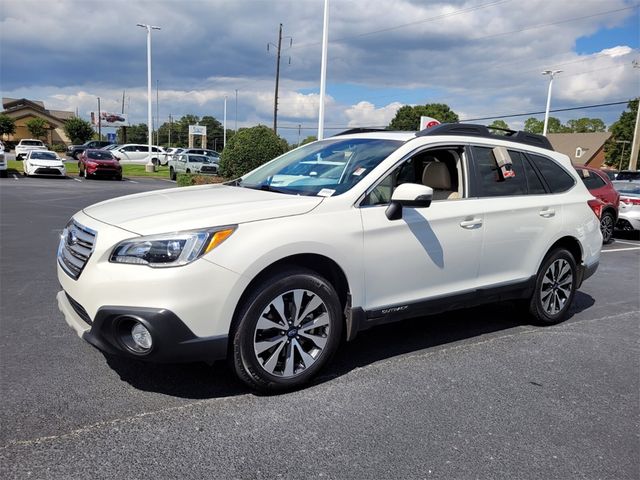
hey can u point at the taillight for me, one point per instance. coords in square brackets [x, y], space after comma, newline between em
[630, 200]
[596, 205]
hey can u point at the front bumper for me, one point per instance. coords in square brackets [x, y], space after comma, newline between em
[173, 341]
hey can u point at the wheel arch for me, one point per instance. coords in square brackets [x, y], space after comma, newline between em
[320, 264]
[610, 209]
[572, 245]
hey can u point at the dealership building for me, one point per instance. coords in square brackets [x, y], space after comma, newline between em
[22, 110]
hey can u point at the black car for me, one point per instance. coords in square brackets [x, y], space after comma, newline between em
[628, 175]
[75, 151]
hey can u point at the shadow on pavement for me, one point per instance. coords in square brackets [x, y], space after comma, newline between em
[201, 381]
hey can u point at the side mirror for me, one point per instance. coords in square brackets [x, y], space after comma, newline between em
[410, 195]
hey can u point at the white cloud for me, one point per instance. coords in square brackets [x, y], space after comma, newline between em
[365, 114]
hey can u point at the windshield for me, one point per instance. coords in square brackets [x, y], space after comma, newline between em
[100, 155]
[44, 156]
[36, 143]
[198, 159]
[329, 167]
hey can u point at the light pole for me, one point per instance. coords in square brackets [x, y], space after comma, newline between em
[99, 122]
[624, 144]
[149, 167]
[551, 74]
[236, 128]
[323, 70]
[224, 124]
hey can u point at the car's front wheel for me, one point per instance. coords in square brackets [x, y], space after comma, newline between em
[286, 331]
[555, 287]
[172, 173]
[607, 223]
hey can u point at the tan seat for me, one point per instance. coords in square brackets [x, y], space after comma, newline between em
[436, 175]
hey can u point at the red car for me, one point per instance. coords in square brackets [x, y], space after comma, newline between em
[601, 187]
[93, 163]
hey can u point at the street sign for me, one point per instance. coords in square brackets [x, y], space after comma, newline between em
[197, 130]
[111, 137]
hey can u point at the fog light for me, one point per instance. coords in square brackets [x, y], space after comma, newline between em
[141, 336]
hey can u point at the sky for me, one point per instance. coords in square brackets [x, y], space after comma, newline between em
[483, 58]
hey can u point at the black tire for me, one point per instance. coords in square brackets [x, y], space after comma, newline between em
[188, 171]
[172, 173]
[155, 162]
[607, 223]
[118, 177]
[323, 323]
[80, 171]
[555, 288]
[4, 174]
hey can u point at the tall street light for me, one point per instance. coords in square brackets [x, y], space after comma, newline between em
[323, 69]
[551, 74]
[149, 167]
[224, 124]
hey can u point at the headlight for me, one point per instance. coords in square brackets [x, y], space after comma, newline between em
[170, 249]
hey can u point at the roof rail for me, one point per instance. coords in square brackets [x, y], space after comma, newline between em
[483, 131]
[360, 130]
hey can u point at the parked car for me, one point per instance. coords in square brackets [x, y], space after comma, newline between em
[3, 162]
[628, 175]
[137, 154]
[273, 278]
[203, 151]
[191, 163]
[629, 218]
[169, 153]
[99, 163]
[26, 145]
[74, 151]
[43, 162]
[601, 187]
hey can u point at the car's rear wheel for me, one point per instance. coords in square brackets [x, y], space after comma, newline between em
[287, 330]
[555, 287]
[172, 173]
[607, 223]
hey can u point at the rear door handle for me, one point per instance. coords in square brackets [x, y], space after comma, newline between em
[471, 223]
[547, 212]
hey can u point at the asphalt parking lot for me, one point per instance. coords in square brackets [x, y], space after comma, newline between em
[476, 393]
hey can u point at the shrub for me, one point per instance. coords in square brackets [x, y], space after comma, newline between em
[188, 179]
[248, 149]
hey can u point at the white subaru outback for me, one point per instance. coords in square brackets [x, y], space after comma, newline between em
[274, 269]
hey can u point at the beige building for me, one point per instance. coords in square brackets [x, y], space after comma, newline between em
[23, 110]
[582, 148]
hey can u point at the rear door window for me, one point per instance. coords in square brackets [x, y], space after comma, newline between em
[557, 178]
[489, 181]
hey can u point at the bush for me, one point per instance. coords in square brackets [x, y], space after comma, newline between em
[188, 179]
[59, 147]
[248, 149]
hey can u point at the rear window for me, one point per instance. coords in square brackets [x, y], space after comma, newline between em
[557, 178]
[33, 143]
[590, 179]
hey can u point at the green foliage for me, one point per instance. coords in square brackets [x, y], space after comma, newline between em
[248, 149]
[408, 117]
[309, 139]
[135, 134]
[499, 124]
[586, 125]
[622, 131]
[78, 130]
[38, 127]
[7, 125]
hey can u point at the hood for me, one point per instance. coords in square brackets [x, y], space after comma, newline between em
[203, 206]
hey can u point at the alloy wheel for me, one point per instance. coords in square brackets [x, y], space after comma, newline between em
[556, 286]
[291, 333]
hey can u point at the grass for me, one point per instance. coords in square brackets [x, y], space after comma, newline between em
[15, 166]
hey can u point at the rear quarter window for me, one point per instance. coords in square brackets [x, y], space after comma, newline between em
[557, 178]
[590, 179]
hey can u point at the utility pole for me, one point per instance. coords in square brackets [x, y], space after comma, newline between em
[236, 128]
[299, 127]
[633, 161]
[157, 116]
[170, 125]
[224, 124]
[275, 102]
[624, 144]
[323, 69]
[99, 121]
[551, 74]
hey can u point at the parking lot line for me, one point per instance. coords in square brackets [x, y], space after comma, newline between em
[15, 177]
[620, 249]
[628, 243]
[78, 180]
[132, 181]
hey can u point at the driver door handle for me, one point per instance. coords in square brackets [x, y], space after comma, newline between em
[471, 223]
[547, 212]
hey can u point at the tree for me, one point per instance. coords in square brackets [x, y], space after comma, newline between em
[38, 127]
[136, 133]
[309, 139]
[499, 124]
[408, 117]
[533, 125]
[7, 125]
[78, 130]
[248, 149]
[586, 125]
[622, 131]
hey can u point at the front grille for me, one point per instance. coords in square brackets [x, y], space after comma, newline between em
[79, 309]
[206, 169]
[75, 248]
[47, 171]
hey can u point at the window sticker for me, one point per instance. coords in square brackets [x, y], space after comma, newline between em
[326, 192]
[359, 171]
